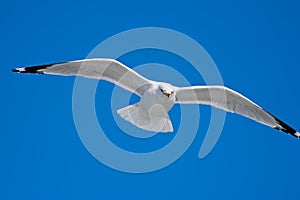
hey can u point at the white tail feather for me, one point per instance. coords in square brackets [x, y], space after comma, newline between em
[157, 119]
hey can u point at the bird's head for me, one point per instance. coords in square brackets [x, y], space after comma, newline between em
[167, 91]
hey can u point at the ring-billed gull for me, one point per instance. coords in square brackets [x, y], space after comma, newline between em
[157, 98]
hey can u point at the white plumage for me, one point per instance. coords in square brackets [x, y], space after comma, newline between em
[157, 98]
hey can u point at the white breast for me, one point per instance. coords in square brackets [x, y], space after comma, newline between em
[153, 97]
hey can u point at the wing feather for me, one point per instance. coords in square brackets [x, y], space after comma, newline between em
[226, 99]
[106, 69]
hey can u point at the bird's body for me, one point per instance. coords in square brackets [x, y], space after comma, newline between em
[157, 98]
[151, 112]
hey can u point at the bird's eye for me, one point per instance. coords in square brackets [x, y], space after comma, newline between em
[162, 90]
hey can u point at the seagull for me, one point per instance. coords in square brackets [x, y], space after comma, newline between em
[157, 98]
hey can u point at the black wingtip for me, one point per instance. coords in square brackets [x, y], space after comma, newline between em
[286, 128]
[15, 70]
[281, 126]
[34, 69]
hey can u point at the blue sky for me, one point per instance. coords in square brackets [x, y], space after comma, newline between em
[255, 45]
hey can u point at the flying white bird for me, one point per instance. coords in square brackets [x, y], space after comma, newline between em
[157, 98]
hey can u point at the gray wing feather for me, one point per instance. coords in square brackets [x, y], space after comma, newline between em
[229, 100]
[105, 69]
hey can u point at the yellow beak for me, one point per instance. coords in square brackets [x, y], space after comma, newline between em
[168, 94]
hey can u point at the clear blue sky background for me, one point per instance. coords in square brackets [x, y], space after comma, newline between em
[255, 45]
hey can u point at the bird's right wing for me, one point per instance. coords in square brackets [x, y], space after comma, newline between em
[106, 69]
[229, 100]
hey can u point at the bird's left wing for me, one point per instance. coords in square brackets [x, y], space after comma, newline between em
[106, 69]
[229, 100]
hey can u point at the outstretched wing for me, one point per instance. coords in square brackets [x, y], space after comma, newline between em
[229, 100]
[105, 69]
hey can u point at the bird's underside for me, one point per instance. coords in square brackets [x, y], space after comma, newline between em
[159, 95]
